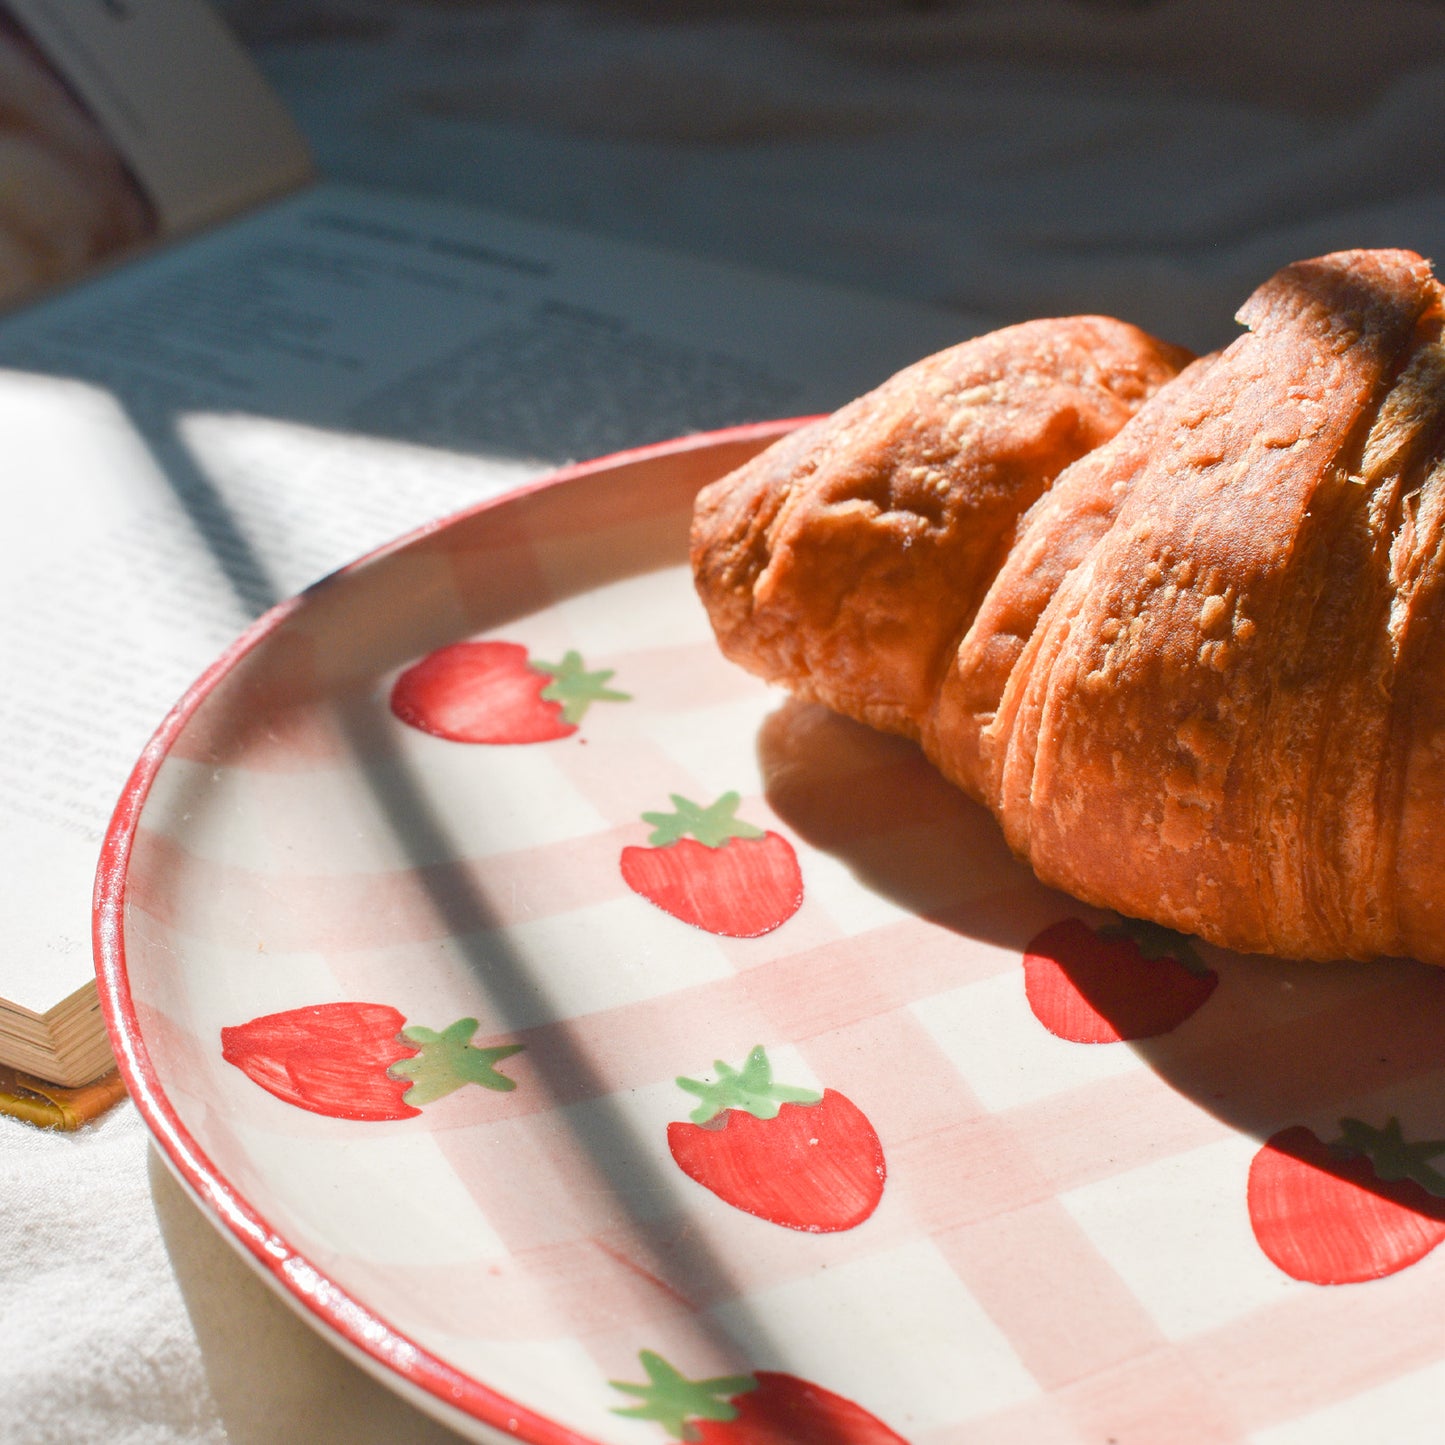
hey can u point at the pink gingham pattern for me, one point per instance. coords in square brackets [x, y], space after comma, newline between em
[1062, 1252]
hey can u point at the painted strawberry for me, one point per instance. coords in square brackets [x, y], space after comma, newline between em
[1360, 1207]
[493, 692]
[361, 1060]
[1130, 980]
[764, 1408]
[728, 877]
[788, 1155]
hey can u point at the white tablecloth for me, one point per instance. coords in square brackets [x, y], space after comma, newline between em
[1012, 158]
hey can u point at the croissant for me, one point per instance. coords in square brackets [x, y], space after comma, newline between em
[1178, 623]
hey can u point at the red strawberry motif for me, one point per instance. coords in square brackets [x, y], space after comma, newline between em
[1131, 980]
[492, 692]
[788, 1155]
[360, 1060]
[728, 877]
[764, 1408]
[1362, 1207]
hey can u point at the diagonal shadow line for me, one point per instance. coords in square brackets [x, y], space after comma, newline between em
[703, 1274]
[499, 969]
[246, 573]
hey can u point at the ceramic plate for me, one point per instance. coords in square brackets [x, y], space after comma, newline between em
[607, 1049]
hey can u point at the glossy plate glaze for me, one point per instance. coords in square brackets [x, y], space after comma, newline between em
[604, 1048]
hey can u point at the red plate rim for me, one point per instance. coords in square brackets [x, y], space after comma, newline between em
[288, 1268]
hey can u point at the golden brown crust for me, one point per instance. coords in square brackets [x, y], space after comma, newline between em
[1053, 538]
[1201, 676]
[849, 558]
[1207, 702]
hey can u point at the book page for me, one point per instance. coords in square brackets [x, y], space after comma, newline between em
[123, 122]
[200, 435]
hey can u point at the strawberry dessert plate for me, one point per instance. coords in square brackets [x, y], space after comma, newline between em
[607, 1049]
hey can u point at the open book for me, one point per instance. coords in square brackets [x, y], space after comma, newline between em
[221, 378]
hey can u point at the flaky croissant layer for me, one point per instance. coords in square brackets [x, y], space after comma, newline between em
[1180, 624]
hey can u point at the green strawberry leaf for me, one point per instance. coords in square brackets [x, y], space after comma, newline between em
[712, 826]
[673, 1401]
[576, 688]
[750, 1088]
[1156, 941]
[449, 1059]
[1390, 1156]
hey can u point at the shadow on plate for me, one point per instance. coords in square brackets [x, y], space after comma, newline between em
[1277, 1043]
